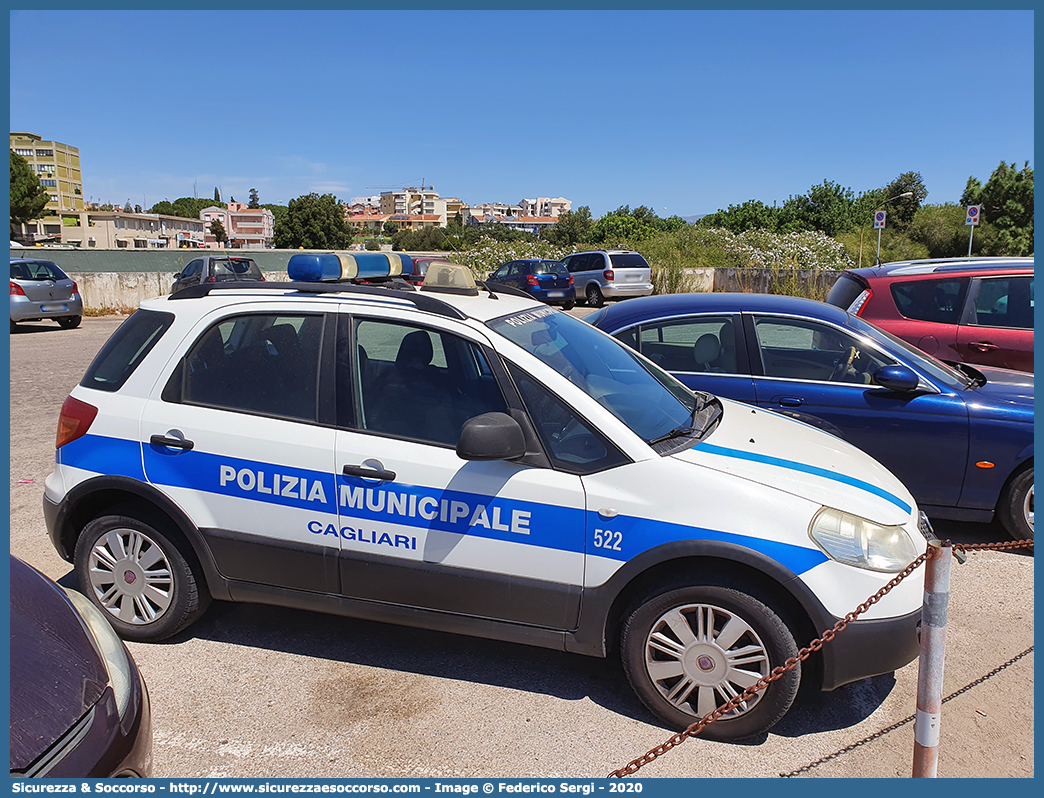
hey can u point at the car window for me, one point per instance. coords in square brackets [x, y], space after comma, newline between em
[416, 383]
[940, 301]
[579, 263]
[695, 344]
[648, 400]
[796, 349]
[571, 443]
[38, 270]
[125, 349]
[628, 260]
[194, 268]
[1003, 302]
[260, 363]
[499, 273]
[235, 268]
[549, 267]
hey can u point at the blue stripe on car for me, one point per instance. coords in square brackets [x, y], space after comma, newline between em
[806, 469]
[544, 526]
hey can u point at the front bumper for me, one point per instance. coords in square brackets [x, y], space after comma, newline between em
[870, 648]
[24, 309]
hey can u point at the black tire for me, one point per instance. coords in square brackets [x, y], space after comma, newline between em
[568, 305]
[117, 558]
[594, 295]
[69, 322]
[1016, 506]
[14, 325]
[707, 660]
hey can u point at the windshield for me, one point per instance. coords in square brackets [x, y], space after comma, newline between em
[649, 401]
[549, 267]
[628, 260]
[935, 369]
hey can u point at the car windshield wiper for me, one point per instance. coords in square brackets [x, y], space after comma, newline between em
[706, 405]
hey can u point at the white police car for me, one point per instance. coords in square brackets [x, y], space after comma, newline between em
[475, 462]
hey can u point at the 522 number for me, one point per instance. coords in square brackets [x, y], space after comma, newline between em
[605, 539]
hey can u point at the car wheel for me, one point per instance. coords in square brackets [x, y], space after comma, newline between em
[139, 578]
[594, 296]
[568, 305]
[1016, 506]
[14, 326]
[69, 322]
[689, 650]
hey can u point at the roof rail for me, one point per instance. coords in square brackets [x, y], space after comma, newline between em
[421, 301]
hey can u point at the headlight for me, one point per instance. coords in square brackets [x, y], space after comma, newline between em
[113, 654]
[856, 541]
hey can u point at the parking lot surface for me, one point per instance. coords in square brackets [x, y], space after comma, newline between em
[255, 691]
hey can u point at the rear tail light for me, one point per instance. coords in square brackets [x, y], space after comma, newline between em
[859, 303]
[16, 289]
[570, 279]
[532, 280]
[76, 288]
[608, 274]
[74, 421]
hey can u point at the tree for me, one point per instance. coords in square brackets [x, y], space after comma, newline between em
[390, 228]
[28, 196]
[942, 230]
[137, 209]
[166, 207]
[278, 212]
[750, 215]
[571, 227]
[217, 229]
[313, 222]
[127, 208]
[254, 200]
[217, 195]
[901, 211]
[828, 207]
[1007, 204]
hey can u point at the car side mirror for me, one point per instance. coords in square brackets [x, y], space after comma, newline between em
[897, 378]
[491, 436]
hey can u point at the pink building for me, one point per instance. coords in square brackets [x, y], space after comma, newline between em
[246, 228]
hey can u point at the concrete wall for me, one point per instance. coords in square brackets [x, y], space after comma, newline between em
[116, 281]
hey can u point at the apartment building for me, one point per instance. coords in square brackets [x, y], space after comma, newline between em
[409, 201]
[119, 230]
[545, 206]
[58, 167]
[246, 228]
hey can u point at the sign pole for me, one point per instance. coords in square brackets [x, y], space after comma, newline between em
[971, 220]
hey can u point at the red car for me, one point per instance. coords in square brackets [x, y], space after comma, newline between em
[971, 310]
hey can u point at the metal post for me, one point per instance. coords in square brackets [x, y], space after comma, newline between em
[879, 229]
[932, 659]
[971, 235]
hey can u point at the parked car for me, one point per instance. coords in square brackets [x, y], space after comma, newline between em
[216, 269]
[609, 274]
[960, 439]
[40, 290]
[79, 706]
[544, 280]
[970, 310]
[471, 461]
[420, 268]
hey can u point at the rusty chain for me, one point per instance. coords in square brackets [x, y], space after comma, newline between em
[882, 732]
[777, 673]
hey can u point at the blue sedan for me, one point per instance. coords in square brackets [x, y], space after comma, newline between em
[960, 438]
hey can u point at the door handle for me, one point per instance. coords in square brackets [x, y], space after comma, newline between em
[369, 473]
[173, 443]
[791, 401]
[983, 346]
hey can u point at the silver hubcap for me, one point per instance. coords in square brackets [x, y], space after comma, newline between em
[699, 656]
[131, 576]
[1027, 507]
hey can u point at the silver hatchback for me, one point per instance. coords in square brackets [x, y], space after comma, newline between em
[609, 274]
[40, 290]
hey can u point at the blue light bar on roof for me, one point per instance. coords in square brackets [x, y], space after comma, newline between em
[325, 267]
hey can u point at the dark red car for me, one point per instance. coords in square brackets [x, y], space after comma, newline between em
[971, 310]
[79, 707]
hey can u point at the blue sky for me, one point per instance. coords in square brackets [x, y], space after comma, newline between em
[683, 111]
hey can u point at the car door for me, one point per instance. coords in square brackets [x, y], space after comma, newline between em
[823, 375]
[930, 311]
[421, 527]
[997, 326]
[704, 351]
[238, 436]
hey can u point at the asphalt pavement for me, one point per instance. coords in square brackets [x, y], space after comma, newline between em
[255, 691]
